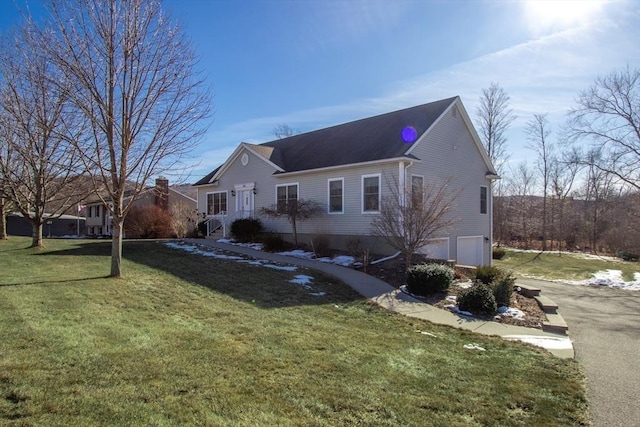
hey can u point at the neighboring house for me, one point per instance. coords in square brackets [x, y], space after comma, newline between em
[349, 168]
[98, 219]
[64, 225]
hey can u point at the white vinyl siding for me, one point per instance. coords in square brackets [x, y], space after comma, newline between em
[371, 193]
[336, 196]
[217, 203]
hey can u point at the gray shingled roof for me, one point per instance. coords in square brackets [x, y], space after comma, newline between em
[365, 140]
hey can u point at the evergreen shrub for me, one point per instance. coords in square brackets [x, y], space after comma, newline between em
[503, 289]
[425, 279]
[478, 299]
[487, 273]
[246, 229]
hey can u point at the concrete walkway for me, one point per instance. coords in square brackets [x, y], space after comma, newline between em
[392, 299]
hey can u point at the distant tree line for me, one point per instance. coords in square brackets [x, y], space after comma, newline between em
[582, 190]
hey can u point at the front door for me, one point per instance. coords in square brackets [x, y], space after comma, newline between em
[245, 203]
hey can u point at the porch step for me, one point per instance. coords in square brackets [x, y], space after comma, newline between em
[546, 304]
[527, 291]
[555, 323]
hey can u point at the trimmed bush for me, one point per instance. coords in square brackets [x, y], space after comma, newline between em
[478, 299]
[246, 229]
[487, 274]
[503, 289]
[425, 279]
[498, 252]
[273, 243]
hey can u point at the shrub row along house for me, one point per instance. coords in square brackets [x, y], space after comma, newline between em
[350, 168]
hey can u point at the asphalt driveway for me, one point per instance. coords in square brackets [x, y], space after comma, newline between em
[604, 324]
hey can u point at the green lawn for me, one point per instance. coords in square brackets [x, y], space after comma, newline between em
[191, 340]
[550, 265]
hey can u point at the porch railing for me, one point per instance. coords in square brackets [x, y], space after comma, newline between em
[223, 221]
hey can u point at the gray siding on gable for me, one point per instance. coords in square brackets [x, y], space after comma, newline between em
[450, 151]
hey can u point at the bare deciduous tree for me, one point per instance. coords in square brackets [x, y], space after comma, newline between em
[411, 216]
[538, 136]
[137, 87]
[562, 175]
[521, 188]
[40, 165]
[608, 117]
[183, 219]
[283, 130]
[493, 118]
[294, 210]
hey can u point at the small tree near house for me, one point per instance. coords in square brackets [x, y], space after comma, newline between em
[294, 210]
[411, 216]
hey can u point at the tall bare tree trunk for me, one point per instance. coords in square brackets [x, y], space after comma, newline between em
[116, 247]
[3, 220]
[36, 235]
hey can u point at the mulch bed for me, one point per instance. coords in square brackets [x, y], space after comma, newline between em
[393, 272]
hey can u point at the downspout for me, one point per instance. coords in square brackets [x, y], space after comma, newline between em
[402, 184]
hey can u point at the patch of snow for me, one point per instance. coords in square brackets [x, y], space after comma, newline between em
[451, 298]
[344, 260]
[543, 341]
[465, 285]
[318, 294]
[298, 253]
[474, 346]
[301, 279]
[505, 311]
[305, 281]
[456, 310]
[573, 254]
[610, 278]
[427, 333]
[280, 267]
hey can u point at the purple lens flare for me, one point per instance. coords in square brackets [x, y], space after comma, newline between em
[409, 134]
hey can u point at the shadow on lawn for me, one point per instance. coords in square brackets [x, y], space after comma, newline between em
[252, 284]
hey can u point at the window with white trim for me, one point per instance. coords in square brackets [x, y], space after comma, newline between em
[286, 194]
[484, 192]
[371, 193]
[336, 196]
[417, 190]
[217, 203]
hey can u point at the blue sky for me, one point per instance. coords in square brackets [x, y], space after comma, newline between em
[313, 64]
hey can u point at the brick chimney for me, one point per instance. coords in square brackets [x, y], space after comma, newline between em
[162, 193]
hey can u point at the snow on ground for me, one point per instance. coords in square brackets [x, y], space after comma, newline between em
[305, 281]
[573, 254]
[544, 341]
[301, 279]
[505, 311]
[610, 278]
[343, 260]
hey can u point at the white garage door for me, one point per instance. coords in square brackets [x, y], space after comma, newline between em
[470, 250]
[436, 249]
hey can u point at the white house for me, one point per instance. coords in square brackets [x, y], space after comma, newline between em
[350, 167]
